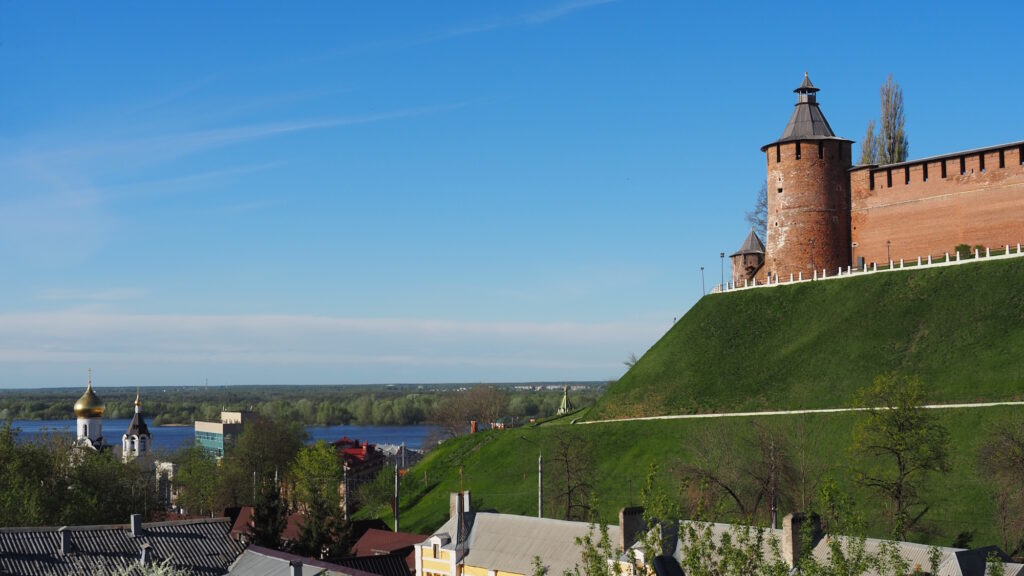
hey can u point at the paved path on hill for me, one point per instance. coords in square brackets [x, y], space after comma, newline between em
[790, 412]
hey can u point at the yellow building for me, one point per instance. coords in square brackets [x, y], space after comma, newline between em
[492, 544]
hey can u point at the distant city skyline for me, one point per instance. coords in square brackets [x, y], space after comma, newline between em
[458, 192]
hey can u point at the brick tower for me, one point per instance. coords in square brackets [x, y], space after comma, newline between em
[808, 194]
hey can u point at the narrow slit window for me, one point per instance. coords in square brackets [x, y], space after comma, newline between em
[888, 178]
[924, 172]
[981, 161]
[797, 150]
[871, 180]
[963, 166]
[821, 150]
[906, 174]
[943, 168]
[1002, 159]
[1020, 154]
[778, 153]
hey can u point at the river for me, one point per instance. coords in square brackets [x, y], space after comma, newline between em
[171, 438]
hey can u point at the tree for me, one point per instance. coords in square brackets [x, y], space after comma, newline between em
[1001, 463]
[772, 469]
[196, 480]
[482, 403]
[869, 147]
[890, 144]
[758, 217]
[901, 443]
[267, 446]
[269, 517]
[376, 497]
[571, 469]
[317, 472]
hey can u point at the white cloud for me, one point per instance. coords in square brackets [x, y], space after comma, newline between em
[380, 349]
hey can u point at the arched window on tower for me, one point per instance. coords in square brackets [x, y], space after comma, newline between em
[85, 430]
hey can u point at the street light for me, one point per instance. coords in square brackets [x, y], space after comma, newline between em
[887, 256]
[721, 285]
[813, 269]
[540, 476]
[702, 291]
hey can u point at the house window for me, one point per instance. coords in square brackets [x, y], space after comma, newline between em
[797, 150]
[436, 551]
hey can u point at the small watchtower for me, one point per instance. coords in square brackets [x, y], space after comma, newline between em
[808, 193]
[748, 260]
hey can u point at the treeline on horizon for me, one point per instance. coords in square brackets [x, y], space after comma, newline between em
[311, 405]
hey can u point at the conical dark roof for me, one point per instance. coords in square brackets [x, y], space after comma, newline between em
[807, 121]
[752, 245]
[137, 427]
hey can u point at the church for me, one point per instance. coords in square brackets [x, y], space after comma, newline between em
[136, 442]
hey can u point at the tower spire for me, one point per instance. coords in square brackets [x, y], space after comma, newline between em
[89, 387]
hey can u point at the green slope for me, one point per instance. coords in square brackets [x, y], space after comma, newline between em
[500, 469]
[812, 345]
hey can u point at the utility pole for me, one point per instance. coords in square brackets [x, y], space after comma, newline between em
[887, 256]
[540, 484]
[702, 291]
[396, 495]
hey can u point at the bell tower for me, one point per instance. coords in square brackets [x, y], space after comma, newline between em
[808, 194]
[89, 411]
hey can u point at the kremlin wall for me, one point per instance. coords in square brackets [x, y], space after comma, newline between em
[826, 214]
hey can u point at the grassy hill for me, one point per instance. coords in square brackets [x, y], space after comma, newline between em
[500, 469]
[960, 329]
[812, 345]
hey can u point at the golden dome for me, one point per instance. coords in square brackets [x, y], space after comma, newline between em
[89, 405]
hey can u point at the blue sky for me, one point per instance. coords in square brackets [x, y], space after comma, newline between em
[421, 192]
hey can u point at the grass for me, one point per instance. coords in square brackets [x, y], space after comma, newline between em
[500, 469]
[812, 345]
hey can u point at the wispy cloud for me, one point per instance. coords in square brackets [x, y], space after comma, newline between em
[525, 19]
[321, 344]
[70, 295]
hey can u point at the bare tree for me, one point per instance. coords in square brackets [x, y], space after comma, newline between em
[869, 147]
[482, 403]
[890, 144]
[572, 467]
[772, 469]
[758, 217]
[1001, 463]
[715, 475]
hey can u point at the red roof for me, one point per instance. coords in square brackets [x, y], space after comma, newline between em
[375, 542]
[291, 530]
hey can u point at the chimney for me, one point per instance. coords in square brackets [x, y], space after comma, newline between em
[458, 503]
[631, 523]
[144, 555]
[137, 526]
[295, 568]
[65, 541]
[793, 537]
[472, 427]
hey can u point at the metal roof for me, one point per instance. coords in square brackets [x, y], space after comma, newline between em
[137, 427]
[260, 561]
[807, 121]
[509, 543]
[752, 245]
[202, 546]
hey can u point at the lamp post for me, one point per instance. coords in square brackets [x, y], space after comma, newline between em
[812, 257]
[702, 291]
[888, 258]
[721, 285]
[540, 476]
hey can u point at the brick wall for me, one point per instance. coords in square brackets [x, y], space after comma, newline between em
[809, 220]
[920, 216]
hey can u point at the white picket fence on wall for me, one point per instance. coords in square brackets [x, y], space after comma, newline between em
[925, 263]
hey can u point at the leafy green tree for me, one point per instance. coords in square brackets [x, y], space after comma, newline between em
[900, 444]
[29, 482]
[196, 479]
[317, 473]
[267, 446]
